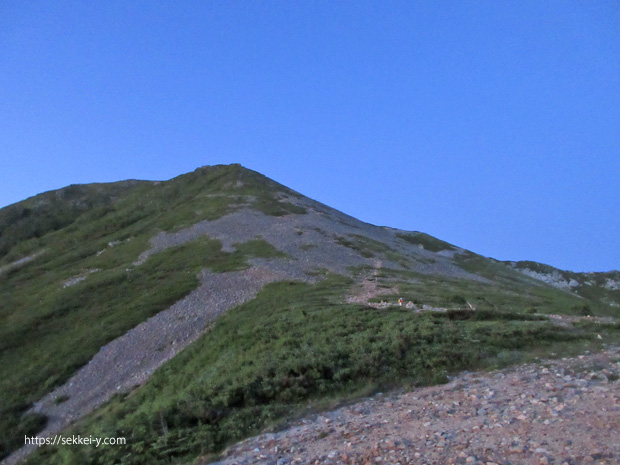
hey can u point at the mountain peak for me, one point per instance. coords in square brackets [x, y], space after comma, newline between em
[140, 271]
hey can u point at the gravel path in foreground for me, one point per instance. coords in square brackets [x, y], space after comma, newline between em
[558, 412]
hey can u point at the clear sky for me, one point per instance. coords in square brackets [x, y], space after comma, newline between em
[493, 125]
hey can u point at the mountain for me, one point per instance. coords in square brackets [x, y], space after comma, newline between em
[186, 314]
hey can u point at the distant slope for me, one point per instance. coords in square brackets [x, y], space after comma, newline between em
[602, 288]
[54, 210]
[85, 267]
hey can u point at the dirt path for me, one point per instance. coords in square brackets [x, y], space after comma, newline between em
[559, 412]
[369, 289]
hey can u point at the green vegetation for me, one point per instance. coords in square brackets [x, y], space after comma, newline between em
[525, 288]
[51, 211]
[428, 242]
[35, 217]
[369, 248]
[492, 269]
[591, 286]
[292, 344]
[502, 294]
[258, 248]
[356, 245]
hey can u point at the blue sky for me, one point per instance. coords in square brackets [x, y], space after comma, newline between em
[492, 125]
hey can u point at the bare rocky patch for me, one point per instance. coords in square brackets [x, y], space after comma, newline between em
[19, 263]
[304, 239]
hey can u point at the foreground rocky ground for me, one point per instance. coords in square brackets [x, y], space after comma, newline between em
[556, 412]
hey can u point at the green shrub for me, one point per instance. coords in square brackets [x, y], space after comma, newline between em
[457, 299]
[584, 310]
[428, 242]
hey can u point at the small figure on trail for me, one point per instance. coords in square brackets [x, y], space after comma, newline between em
[400, 301]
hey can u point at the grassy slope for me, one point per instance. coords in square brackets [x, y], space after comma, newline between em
[589, 285]
[428, 242]
[454, 293]
[47, 331]
[305, 345]
[37, 216]
[506, 288]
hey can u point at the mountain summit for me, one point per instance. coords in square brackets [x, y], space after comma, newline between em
[188, 313]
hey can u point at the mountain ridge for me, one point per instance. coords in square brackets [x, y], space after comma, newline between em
[98, 193]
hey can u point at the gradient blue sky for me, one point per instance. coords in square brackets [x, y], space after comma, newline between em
[494, 125]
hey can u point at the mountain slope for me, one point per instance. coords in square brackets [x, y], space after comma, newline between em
[600, 287]
[37, 216]
[108, 290]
